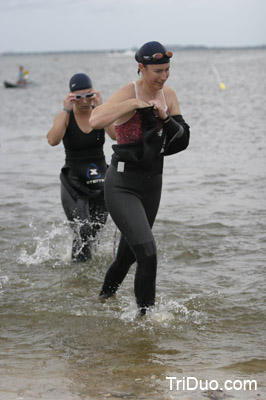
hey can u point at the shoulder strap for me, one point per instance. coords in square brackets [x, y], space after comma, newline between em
[165, 104]
[136, 89]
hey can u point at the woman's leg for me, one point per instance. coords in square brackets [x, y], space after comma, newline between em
[118, 269]
[98, 214]
[133, 201]
[86, 218]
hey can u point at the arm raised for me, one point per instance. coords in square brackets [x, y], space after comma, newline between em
[58, 130]
[121, 103]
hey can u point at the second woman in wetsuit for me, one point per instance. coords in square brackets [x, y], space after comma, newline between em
[149, 126]
[82, 177]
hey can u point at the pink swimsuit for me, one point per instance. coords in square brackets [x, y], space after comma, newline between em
[131, 130]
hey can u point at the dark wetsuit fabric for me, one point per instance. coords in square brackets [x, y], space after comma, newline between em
[82, 186]
[132, 193]
[133, 207]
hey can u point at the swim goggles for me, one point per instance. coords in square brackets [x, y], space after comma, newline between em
[85, 95]
[158, 56]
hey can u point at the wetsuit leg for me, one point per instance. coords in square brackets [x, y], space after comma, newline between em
[118, 269]
[145, 277]
[86, 218]
[98, 214]
[133, 201]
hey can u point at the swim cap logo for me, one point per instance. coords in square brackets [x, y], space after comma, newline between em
[93, 172]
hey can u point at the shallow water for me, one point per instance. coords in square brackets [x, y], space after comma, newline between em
[58, 341]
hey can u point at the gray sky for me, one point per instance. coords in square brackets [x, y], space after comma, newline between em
[57, 25]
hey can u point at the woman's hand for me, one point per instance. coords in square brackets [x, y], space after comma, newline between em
[97, 98]
[69, 101]
[159, 108]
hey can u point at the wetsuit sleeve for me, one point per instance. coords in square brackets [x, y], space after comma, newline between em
[177, 135]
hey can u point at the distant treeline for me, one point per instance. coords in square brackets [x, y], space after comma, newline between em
[173, 47]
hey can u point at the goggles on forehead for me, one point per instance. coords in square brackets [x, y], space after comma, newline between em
[85, 95]
[158, 56]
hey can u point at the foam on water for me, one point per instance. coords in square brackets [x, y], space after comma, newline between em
[166, 314]
[54, 244]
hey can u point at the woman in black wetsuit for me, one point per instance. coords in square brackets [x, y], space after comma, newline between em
[149, 126]
[82, 177]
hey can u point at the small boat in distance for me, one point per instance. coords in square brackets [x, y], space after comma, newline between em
[22, 81]
[10, 85]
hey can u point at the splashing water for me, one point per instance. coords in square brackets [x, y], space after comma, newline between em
[54, 244]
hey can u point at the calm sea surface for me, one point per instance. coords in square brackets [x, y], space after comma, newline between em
[57, 340]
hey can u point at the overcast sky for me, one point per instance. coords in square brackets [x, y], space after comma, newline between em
[58, 25]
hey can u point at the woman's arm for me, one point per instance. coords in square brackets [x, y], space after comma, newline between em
[121, 103]
[96, 102]
[172, 104]
[176, 129]
[174, 108]
[58, 130]
[111, 131]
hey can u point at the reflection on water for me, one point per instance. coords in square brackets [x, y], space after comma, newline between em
[58, 340]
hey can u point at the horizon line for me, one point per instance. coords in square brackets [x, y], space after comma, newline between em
[173, 46]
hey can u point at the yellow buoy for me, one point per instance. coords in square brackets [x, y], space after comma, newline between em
[221, 84]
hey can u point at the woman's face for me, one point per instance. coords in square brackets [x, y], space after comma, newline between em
[83, 101]
[156, 75]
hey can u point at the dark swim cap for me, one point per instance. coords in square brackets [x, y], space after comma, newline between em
[147, 50]
[80, 82]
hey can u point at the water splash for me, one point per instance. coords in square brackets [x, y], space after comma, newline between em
[53, 244]
[167, 314]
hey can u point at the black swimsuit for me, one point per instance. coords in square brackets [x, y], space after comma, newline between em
[82, 186]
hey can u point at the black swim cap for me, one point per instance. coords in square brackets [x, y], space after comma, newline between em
[143, 55]
[79, 82]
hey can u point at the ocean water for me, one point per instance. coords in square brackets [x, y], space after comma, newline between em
[58, 341]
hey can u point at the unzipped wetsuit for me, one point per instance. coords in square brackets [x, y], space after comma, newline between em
[132, 193]
[82, 185]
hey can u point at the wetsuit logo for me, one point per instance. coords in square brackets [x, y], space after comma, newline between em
[93, 172]
[160, 132]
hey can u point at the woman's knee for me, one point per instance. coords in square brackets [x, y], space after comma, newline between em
[145, 251]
